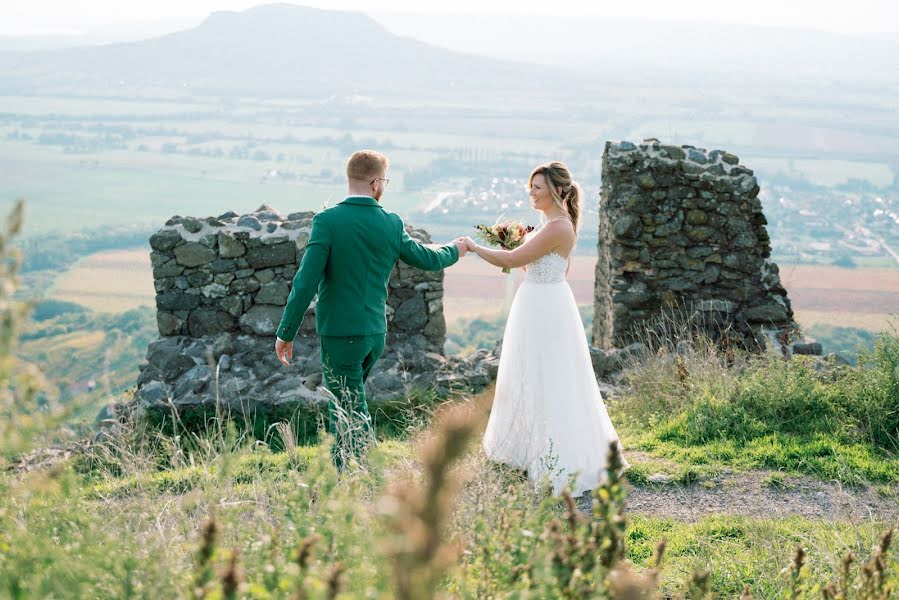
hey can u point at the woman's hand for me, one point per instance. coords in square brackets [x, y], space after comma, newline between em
[472, 245]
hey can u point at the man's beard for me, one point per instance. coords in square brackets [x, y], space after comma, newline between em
[377, 195]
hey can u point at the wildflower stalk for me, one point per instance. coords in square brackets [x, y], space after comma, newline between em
[417, 515]
[204, 557]
[232, 577]
[304, 555]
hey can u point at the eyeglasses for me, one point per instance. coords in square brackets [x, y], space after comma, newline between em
[384, 179]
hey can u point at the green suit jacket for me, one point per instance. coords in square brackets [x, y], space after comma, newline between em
[352, 249]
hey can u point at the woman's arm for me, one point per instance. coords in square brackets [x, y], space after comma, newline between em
[543, 241]
[494, 257]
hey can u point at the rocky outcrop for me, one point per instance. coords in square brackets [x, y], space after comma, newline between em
[683, 227]
[221, 286]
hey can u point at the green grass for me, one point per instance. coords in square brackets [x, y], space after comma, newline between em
[678, 473]
[741, 551]
[245, 469]
[776, 481]
[766, 413]
[821, 456]
[138, 534]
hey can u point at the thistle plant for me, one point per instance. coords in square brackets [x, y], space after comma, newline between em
[871, 582]
[304, 555]
[205, 554]
[584, 552]
[232, 577]
[417, 515]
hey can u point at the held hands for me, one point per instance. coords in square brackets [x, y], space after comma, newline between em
[284, 351]
[465, 244]
[461, 246]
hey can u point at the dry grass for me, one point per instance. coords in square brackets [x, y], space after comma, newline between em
[876, 322]
[455, 309]
[78, 340]
[830, 278]
[863, 298]
[112, 281]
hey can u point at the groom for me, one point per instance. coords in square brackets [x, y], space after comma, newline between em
[351, 252]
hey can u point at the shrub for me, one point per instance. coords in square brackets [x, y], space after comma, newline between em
[869, 394]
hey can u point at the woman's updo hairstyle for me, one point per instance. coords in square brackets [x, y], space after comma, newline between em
[566, 192]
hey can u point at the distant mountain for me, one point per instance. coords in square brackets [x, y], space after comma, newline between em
[94, 35]
[9, 43]
[629, 45]
[267, 50]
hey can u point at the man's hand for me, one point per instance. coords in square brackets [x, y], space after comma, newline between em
[283, 350]
[461, 246]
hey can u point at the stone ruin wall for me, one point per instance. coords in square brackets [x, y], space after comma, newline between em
[233, 274]
[221, 287]
[678, 226]
[683, 227]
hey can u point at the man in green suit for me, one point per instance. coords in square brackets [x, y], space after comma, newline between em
[351, 252]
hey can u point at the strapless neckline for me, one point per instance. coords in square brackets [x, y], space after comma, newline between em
[549, 268]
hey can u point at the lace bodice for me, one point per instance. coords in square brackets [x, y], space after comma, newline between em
[549, 268]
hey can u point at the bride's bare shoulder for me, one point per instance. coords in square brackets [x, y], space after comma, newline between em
[561, 229]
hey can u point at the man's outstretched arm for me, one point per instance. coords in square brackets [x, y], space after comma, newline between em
[420, 256]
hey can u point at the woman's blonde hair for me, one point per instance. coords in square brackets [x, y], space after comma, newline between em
[566, 192]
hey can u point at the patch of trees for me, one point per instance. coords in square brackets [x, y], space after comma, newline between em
[59, 252]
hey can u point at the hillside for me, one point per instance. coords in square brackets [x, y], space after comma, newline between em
[638, 48]
[276, 49]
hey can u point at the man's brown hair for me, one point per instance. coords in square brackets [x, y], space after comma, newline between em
[365, 165]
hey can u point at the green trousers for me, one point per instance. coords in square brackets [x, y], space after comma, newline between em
[347, 362]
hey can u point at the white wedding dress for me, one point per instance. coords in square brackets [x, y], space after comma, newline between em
[548, 415]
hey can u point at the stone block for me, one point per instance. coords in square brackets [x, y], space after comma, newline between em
[261, 319]
[808, 348]
[165, 240]
[271, 256]
[274, 292]
[229, 246]
[204, 321]
[193, 254]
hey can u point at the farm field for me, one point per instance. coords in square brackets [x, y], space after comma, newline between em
[112, 281]
[826, 172]
[865, 298]
[128, 191]
[67, 192]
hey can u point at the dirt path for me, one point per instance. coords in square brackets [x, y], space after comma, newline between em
[750, 493]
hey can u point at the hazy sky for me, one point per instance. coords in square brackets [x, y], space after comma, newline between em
[843, 16]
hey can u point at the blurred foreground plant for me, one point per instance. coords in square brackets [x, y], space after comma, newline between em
[417, 515]
[20, 383]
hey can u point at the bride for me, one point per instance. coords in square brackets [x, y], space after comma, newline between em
[548, 415]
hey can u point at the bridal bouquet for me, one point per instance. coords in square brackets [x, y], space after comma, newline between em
[506, 234]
